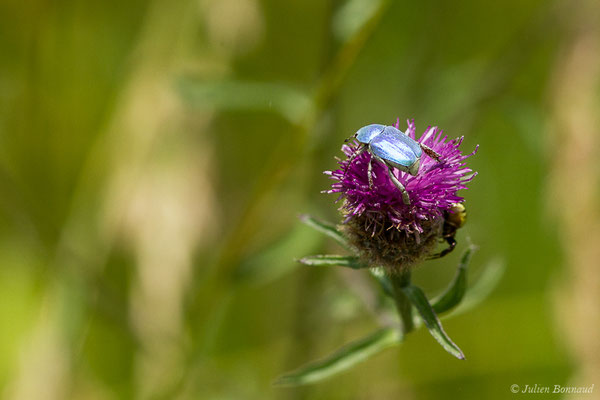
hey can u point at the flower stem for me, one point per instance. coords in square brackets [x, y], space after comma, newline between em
[403, 304]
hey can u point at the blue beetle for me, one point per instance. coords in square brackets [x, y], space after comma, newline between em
[394, 149]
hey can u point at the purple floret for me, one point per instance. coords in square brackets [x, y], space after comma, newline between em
[432, 191]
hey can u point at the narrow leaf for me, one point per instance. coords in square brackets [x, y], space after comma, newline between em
[457, 288]
[384, 281]
[343, 359]
[325, 228]
[485, 285]
[323, 260]
[418, 299]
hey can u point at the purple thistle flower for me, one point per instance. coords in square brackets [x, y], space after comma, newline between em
[378, 223]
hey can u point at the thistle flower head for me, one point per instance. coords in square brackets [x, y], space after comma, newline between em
[384, 229]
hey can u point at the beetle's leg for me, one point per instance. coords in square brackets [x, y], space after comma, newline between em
[451, 245]
[370, 172]
[430, 152]
[399, 185]
[358, 153]
[395, 180]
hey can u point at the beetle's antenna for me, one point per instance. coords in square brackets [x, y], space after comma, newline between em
[430, 152]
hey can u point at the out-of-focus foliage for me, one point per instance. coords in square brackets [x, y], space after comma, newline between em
[155, 156]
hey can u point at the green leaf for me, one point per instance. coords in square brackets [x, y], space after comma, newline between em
[323, 260]
[343, 359]
[418, 299]
[485, 285]
[326, 228]
[384, 281]
[457, 288]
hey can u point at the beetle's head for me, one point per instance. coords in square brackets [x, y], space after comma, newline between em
[367, 133]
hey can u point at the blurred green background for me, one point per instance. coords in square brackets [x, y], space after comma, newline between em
[155, 155]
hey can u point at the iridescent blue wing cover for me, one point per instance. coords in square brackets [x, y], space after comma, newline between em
[394, 146]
